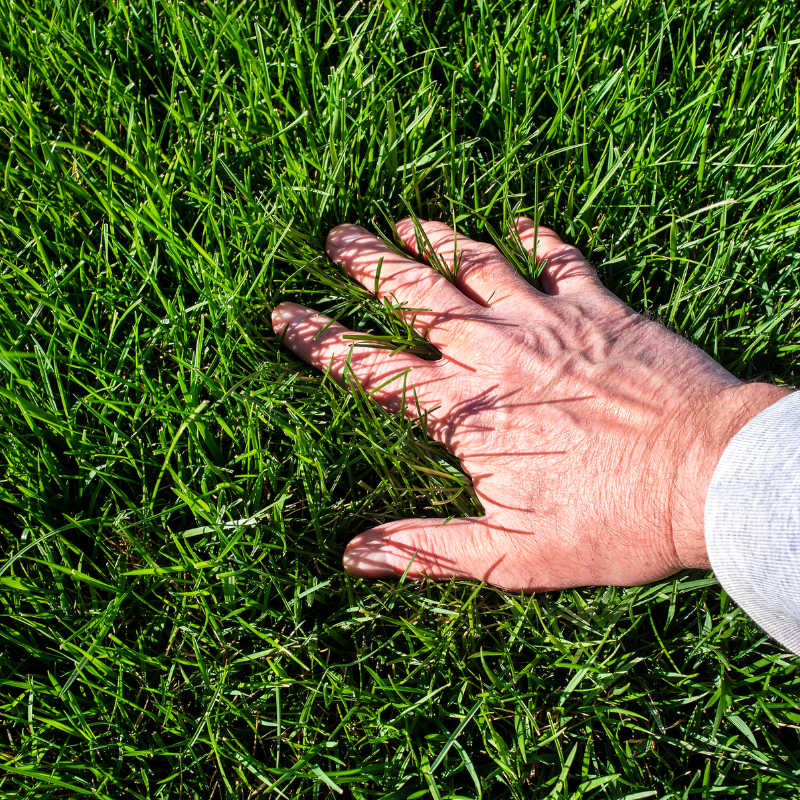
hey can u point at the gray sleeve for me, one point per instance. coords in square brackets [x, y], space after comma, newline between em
[752, 520]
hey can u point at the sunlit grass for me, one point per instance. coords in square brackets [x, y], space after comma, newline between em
[177, 489]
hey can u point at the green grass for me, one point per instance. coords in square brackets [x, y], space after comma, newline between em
[176, 488]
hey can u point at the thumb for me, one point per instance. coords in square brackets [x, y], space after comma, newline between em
[435, 548]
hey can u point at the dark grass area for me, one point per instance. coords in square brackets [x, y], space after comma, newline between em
[177, 489]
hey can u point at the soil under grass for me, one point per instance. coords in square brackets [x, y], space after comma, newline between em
[176, 488]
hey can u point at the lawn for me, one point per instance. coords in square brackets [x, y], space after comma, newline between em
[177, 489]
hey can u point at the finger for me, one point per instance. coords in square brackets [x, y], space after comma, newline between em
[431, 303]
[478, 549]
[482, 273]
[565, 270]
[438, 549]
[395, 380]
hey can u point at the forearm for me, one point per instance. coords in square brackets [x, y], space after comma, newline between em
[752, 520]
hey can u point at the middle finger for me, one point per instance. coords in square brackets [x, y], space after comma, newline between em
[482, 272]
[429, 302]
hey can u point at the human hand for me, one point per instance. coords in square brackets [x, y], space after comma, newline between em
[590, 433]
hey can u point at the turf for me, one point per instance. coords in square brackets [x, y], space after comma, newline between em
[177, 488]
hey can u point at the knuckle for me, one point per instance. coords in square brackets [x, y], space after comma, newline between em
[440, 239]
[476, 256]
[428, 290]
[481, 251]
[567, 252]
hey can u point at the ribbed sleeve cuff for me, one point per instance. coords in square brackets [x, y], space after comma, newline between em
[752, 520]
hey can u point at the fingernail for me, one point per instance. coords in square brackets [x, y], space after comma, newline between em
[282, 315]
[368, 560]
[342, 236]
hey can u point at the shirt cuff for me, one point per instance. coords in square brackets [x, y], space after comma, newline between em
[752, 520]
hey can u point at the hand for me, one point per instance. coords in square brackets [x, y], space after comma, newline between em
[590, 433]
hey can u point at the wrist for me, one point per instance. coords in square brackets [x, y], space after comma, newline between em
[720, 419]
